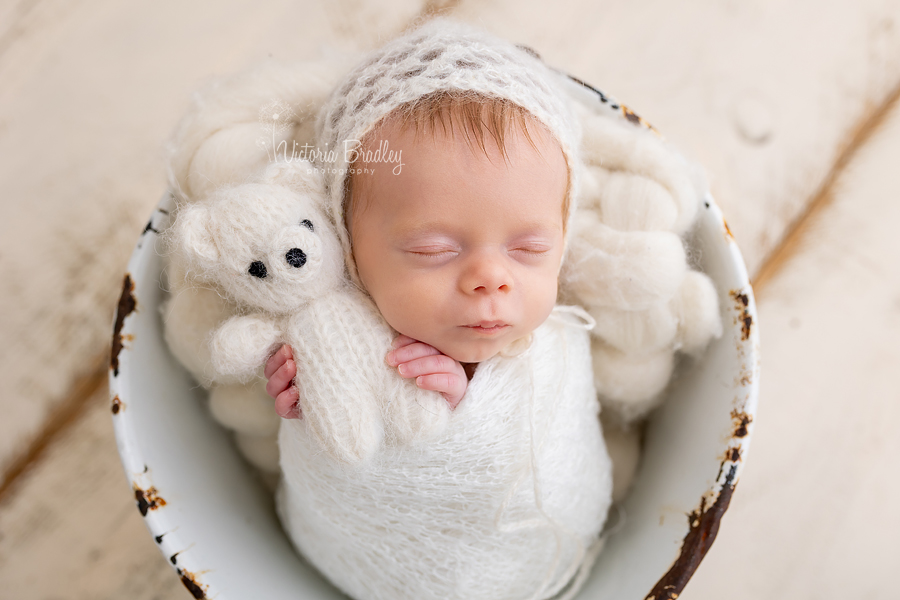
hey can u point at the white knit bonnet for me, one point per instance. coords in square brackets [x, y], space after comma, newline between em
[441, 55]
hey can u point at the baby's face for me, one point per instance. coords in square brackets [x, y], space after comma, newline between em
[461, 250]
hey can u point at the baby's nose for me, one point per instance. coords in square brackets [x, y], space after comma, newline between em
[295, 257]
[487, 275]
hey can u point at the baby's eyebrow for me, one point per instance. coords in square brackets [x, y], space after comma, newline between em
[422, 228]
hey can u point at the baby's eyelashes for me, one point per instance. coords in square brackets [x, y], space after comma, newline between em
[532, 249]
[435, 255]
[432, 255]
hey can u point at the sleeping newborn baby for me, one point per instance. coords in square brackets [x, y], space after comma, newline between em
[452, 185]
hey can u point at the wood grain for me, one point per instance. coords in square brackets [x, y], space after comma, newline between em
[72, 529]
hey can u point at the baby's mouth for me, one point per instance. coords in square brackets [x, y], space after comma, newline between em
[488, 327]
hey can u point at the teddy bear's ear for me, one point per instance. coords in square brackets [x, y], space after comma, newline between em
[195, 239]
[299, 175]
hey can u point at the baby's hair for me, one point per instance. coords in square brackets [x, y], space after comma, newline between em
[477, 115]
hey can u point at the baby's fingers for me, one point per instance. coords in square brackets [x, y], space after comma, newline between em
[450, 385]
[410, 352]
[276, 360]
[281, 379]
[286, 405]
[402, 340]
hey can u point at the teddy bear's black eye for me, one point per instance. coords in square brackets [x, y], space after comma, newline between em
[295, 257]
[258, 269]
[308, 224]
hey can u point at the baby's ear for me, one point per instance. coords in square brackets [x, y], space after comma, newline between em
[299, 175]
[194, 237]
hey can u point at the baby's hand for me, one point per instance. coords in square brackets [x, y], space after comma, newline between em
[432, 370]
[280, 371]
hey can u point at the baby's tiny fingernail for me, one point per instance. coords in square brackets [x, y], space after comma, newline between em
[395, 342]
[402, 369]
[389, 359]
[295, 412]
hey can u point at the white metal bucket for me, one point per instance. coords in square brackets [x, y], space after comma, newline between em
[216, 524]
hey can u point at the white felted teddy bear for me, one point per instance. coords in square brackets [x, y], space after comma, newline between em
[270, 248]
[229, 135]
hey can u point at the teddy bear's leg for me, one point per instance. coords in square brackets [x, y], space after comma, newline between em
[343, 418]
[246, 409]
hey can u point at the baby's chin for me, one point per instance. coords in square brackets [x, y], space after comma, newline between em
[471, 353]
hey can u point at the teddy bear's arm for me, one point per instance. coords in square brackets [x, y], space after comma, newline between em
[242, 344]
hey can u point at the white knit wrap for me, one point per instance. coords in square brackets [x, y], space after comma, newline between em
[441, 55]
[505, 504]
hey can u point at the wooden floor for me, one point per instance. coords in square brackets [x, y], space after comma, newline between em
[791, 107]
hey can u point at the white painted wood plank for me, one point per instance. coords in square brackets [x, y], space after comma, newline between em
[815, 514]
[89, 93]
[763, 94]
[71, 528]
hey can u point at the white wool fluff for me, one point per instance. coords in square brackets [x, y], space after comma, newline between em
[629, 270]
[441, 55]
[629, 202]
[697, 307]
[268, 246]
[624, 264]
[630, 384]
[506, 503]
[686, 323]
[636, 332]
[617, 145]
[224, 140]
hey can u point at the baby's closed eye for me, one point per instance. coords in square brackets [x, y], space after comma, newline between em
[433, 251]
[535, 248]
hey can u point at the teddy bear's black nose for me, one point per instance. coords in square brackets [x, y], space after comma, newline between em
[295, 257]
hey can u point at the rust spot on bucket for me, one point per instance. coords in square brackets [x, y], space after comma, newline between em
[746, 324]
[728, 234]
[174, 558]
[127, 305]
[192, 584]
[741, 304]
[159, 538]
[741, 300]
[148, 499]
[630, 115]
[117, 405]
[733, 454]
[704, 526]
[741, 421]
